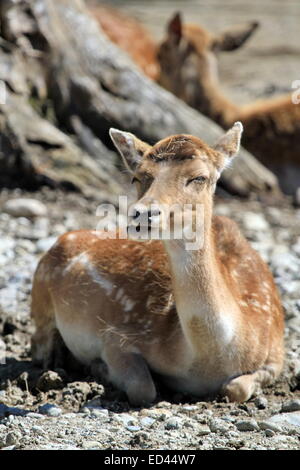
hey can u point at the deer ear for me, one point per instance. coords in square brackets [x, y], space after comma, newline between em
[228, 145]
[129, 146]
[235, 37]
[175, 27]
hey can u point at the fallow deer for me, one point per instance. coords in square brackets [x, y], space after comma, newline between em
[207, 320]
[129, 35]
[272, 127]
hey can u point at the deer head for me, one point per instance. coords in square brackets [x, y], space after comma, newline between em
[188, 54]
[177, 173]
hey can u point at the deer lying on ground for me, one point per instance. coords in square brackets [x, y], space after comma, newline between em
[207, 320]
[272, 127]
[130, 36]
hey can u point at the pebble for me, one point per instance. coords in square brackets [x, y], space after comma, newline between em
[147, 422]
[126, 419]
[286, 419]
[49, 380]
[264, 425]
[172, 423]
[35, 415]
[257, 222]
[50, 410]
[219, 425]
[25, 207]
[261, 403]
[203, 430]
[98, 412]
[2, 442]
[132, 428]
[293, 405]
[91, 445]
[13, 438]
[247, 425]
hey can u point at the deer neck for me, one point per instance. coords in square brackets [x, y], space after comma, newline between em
[205, 306]
[210, 100]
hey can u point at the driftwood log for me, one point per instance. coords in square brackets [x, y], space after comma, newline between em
[67, 84]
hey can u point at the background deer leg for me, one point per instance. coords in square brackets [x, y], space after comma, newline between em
[130, 372]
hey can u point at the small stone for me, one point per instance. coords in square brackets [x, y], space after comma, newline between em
[163, 404]
[247, 425]
[35, 415]
[126, 419]
[293, 405]
[50, 410]
[91, 445]
[2, 442]
[49, 381]
[189, 408]
[286, 419]
[172, 423]
[12, 438]
[253, 221]
[132, 428]
[37, 429]
[269, 433]
[24, 207]
[264, 425]
[203, 430]
[98, 412]
[219, 426]
[261, 403]
[147, 422]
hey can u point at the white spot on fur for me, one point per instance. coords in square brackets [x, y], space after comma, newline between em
[104, 283]
[81, 258]
[91, 270]
[71, 237]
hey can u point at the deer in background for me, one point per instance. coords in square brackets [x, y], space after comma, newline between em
[207, 320]
[129, 35]
[272, 127]
[136, 40]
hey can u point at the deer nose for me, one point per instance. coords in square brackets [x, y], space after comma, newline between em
[146, 216]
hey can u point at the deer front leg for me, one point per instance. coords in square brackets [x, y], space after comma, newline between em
[243, 387]
[130, 373]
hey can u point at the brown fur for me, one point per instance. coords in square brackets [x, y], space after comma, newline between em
[206, 320]
[272, 127]
[130, 36]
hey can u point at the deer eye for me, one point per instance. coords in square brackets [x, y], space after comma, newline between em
[198, 179]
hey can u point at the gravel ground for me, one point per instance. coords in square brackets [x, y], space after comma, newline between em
[68, 410]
